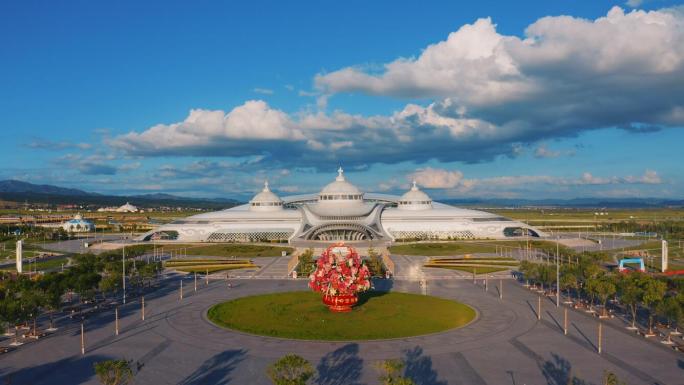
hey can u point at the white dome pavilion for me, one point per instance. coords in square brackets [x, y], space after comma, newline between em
[266, 200]
[127, 208]
[78, 225]
[340, 191]
[414, 199]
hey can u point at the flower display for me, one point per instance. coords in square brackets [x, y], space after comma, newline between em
[340, 271]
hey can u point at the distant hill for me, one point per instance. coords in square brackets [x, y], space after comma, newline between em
[17, 191]
[16, 186]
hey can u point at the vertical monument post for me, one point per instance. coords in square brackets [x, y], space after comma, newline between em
[539, 308]
[20, 260]
[664, 255]
[82, 339]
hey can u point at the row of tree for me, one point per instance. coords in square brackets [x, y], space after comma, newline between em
[588, 281]
[24, 299]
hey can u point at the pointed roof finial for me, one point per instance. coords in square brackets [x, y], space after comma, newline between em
[415, 185]
[340, 174]
[266, 185]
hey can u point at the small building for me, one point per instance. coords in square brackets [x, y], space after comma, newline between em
[78, 225]
[127, 208]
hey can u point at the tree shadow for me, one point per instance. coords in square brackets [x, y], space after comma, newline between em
[585, 336]
[217, 369]
[558, 371]
[67, 371]
[534, 311]
[554, 320]
[419, 368]
[367, 295]
[340, 367]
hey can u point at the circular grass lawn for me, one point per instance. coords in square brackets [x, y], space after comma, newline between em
[302, 315]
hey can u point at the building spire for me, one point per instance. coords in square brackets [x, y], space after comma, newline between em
[340, 174]
[415, 185]
[266, 186]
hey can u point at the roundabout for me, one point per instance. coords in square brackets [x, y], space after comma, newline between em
[379, 315]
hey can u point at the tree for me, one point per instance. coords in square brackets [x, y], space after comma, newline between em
[653, 292]
[375, 264]
[306, 264]
[604, 289]
[114, 372]
[568, 279]
[110, 283]
[671, 310]
[390, 373]
[291, 369]
[630, 293]
[529, 270]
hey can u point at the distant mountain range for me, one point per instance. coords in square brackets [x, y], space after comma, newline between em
[17, 186]
[18, 191]
[576, 202]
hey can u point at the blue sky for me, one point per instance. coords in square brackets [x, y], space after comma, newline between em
[535, 99]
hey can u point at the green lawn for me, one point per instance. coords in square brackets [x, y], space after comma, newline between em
[302, 315]
[237, 250]
[446, 248]
[213, 268]
[477, 265]
[202, 265]
[471, 269]
[42, 265]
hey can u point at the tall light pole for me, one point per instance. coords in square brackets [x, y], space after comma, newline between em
[557, 272]
[123, 277]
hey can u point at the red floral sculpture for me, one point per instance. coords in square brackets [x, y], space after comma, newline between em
[340, 275]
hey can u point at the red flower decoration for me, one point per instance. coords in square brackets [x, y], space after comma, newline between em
[340, 271]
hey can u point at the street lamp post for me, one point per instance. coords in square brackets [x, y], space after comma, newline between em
[539, 308]
[123, 277]
[557, 272]
[82, 338]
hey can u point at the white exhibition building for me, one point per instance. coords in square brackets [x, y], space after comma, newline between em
[341, 212]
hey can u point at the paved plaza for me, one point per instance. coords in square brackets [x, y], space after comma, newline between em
[506, 344]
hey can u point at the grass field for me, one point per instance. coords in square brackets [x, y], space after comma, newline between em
[42, 265]
[446, 248]
[208, 265]
[212, 268]
[476, 265]
[471, 269]
[302, 315]
[228, 250]
[580, 215]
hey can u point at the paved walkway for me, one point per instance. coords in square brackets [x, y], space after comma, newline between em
[411, 268]
[505, 345]
[275, 268]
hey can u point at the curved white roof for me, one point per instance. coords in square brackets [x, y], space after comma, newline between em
[415, 195]
[127, 207]
[266, 195]
[340, 186]
[266, 200]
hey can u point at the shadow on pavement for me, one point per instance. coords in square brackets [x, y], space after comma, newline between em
[217, 369]
[558, 371]
[419, 368]
[340, 367]
[68, 371]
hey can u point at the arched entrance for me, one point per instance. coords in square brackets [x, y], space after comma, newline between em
[341, 232]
